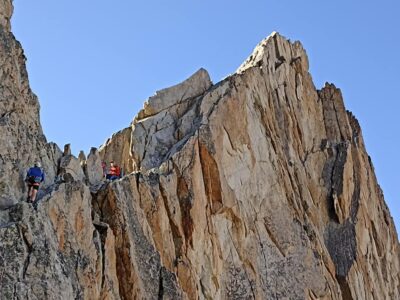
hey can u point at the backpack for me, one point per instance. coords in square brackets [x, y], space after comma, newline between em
[35, 179]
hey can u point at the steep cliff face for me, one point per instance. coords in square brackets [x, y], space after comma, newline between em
[257, 187]
[21, 137]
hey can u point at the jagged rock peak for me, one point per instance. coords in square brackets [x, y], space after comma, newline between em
[6, 11]
[194, 86]
[173, 114]
[274, 51]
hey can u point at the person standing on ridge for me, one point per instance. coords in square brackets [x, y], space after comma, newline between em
[34, 177]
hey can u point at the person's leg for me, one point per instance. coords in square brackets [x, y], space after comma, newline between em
[29, 192]
[34, 192]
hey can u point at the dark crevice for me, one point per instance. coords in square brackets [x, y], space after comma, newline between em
[333, 173]
[281, 59]
[160, 286]
[103, 237]
[338, 170]
[344, 287]
[355, 200]
[340, 239]
[185, 202]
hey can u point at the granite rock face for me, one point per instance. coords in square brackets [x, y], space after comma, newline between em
[56, 252]
[118, 149]
[257, 187]
[167, 118]
[93, 168]
[21, 137]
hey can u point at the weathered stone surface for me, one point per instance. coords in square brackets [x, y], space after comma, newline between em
[140, 269]
[167, 121]
[164, 99]
[118, 149]
[56, 252]
[71, 169]
[258, 187]
[268, 192]
[21, 137]
[94, 170]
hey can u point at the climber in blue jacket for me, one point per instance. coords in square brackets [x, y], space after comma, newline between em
[34, 177]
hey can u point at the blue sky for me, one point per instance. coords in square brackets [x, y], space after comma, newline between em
[94, 62]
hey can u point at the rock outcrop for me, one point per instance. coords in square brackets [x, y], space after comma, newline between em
[168, 119]
[21, 137]
[257, 187]
[118, 149]
[93, 168]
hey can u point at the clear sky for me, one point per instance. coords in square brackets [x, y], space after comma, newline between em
[94, 62]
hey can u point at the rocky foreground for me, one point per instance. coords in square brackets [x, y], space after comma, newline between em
[257, 187]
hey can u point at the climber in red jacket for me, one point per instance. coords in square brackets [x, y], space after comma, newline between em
[114, 172]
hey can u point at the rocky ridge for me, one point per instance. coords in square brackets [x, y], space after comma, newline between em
[257, 187]
[21, 137]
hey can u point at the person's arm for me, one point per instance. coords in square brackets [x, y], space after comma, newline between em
[43, 176]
